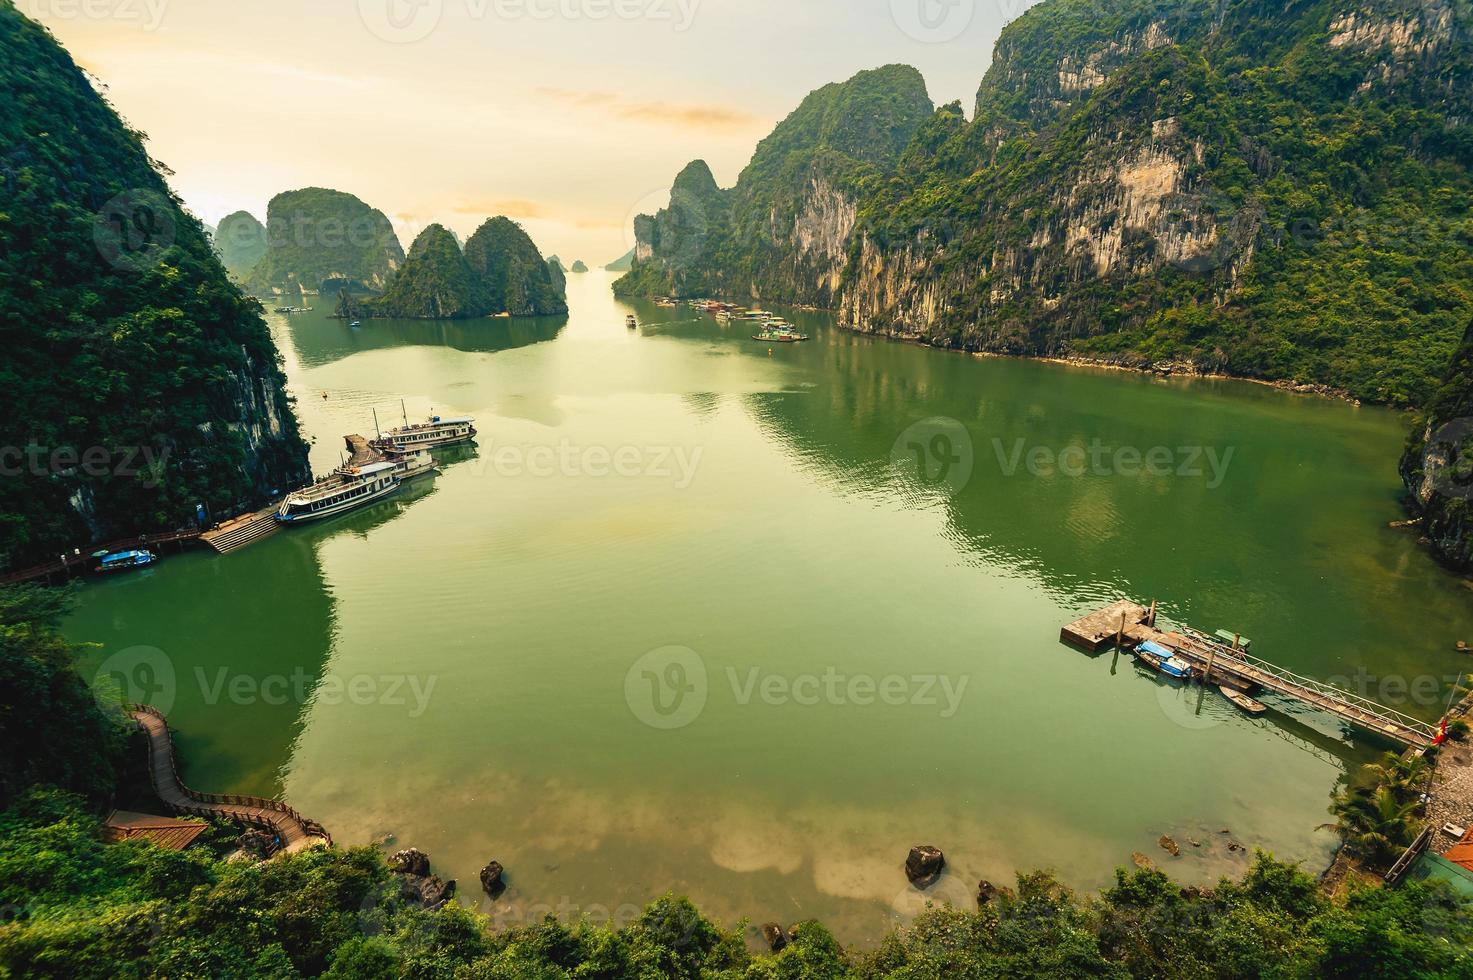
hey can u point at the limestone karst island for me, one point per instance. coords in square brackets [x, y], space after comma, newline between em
[735, 491]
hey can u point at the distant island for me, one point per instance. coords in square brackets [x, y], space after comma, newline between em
[623, 263]
[499, 272]
[323, 240]
[579, 267]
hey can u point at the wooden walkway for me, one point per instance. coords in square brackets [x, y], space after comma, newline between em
[1217, 663]
[82, 562]
[296, 831]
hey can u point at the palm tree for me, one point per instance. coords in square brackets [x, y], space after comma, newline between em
[1400, 773]
[1376, 823]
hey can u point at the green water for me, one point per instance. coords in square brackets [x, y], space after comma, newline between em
[480, 667]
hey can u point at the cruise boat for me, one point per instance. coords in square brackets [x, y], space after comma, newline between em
[120, 561]
[631, 322]
[427, 435]
[347, 489]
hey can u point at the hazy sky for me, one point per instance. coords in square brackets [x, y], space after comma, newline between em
[570, 116]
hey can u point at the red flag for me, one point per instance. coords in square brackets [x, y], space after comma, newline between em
[1441, 732]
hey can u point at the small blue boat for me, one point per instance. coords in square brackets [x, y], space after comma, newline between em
[120, 561]
[1158, 658]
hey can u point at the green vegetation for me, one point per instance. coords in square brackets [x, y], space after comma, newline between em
[512, 276]
[51, 728]
[240, 241]
[80, 909]
[710, 241]
[137, 380]
[1438, 466]
[1270, 191]
[1379, 816]
[318, 237]
[434, 284]
[499, 271]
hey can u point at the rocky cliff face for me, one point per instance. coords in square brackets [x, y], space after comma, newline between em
[317, 236]
[1438, 466]
[139, 381]
[1274, 192]
[783, 231]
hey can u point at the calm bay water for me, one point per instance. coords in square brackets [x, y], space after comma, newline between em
[695, 617]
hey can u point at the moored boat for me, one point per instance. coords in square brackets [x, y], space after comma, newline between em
[407, 466]
[1162, 660]
[348, 489]
[1234, 639]
[437, 431]
[1242, 701]
[121, 561]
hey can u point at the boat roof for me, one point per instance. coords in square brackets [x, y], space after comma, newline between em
[120, 555]
[373, 468]
[1151, 646]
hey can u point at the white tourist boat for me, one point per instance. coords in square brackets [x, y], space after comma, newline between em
[409, 465]
[349, 488]
[426, 435]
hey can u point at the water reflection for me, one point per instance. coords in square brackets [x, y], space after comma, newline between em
[317, 339]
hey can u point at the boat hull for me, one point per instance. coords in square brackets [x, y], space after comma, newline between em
[389, 445]
[303, 517]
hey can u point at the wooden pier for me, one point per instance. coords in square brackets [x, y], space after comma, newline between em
[1129, 624]
[295, 831]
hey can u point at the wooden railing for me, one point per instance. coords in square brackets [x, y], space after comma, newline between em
[208, 803]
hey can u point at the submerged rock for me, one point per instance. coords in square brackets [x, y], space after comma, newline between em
[1169, 845]
[1142, 861]
[923, 865]
[986, 892]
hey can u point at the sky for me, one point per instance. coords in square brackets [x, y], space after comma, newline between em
[570, 116]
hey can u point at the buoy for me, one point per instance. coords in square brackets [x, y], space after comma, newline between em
[324, 396]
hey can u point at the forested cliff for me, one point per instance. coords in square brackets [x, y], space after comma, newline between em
[1270, 191]
[137, 380]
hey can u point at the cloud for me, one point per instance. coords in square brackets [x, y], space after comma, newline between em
[511, 207]
[714, 118]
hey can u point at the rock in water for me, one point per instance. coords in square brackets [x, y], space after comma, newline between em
[1169, 845]
[491, 879]
[776, 938]
[923, 865]
[426, 891]
[411, 861]
[986, 891]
